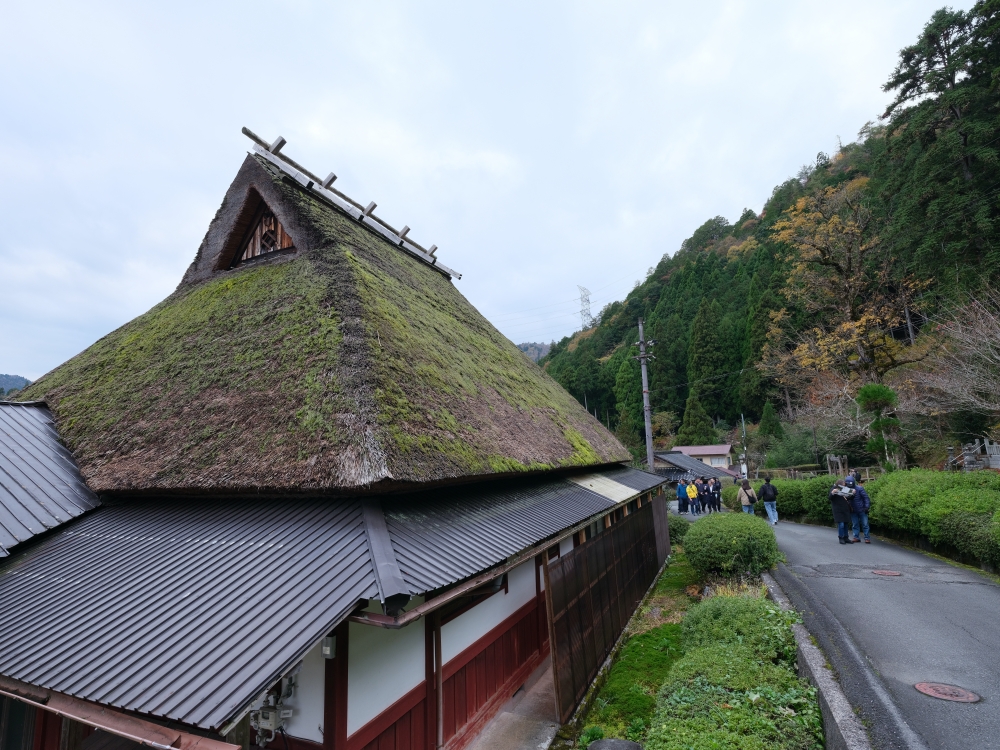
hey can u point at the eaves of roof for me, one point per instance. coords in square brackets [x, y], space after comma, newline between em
[40, 485]
[188, 610]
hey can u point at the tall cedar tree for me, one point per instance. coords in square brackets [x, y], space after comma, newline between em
[769, 424]
[707, 358]
[668, 372]
[628, 392]
[696, 429]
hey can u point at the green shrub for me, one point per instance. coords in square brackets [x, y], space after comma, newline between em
[723, 696]
[731, 544]
[916, 501]
[757, 624]
[972, 534]
[590, 734]
[729, 496]
[678, 528]
[815, 494]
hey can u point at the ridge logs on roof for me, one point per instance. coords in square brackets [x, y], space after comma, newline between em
[363, 214]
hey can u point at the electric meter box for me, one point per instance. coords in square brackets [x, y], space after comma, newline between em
[269, 719]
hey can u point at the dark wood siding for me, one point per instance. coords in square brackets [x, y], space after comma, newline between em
[593, 591]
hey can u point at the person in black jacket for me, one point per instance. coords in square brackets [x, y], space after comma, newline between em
[860, 504]
[840, 497]
[704, 496]
[769, 494]
[715, 492]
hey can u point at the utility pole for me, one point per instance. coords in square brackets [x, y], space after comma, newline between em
[744, 459]
[643, 356]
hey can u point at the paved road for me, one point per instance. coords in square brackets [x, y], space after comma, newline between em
[934, 623]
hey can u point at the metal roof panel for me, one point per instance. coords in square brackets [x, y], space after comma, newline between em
[182, 609]
[40, 486]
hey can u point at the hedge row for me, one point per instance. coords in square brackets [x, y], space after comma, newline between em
[735, 686]
[960, 511]
[797, 498]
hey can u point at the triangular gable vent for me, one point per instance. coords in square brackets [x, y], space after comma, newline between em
[266, 236]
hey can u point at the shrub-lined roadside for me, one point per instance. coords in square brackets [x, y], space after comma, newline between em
[957, 513]
[722, 676]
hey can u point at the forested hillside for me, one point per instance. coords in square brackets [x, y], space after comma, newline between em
[855, 272]
[12, 383]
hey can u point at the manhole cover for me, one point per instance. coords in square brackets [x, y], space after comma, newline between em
[886, 573]
[946, 692]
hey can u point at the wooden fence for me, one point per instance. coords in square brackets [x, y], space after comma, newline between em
[593, 592]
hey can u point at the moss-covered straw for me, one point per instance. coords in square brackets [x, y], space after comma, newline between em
[342, 366]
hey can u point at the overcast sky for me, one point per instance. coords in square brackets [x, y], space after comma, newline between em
[541, 146]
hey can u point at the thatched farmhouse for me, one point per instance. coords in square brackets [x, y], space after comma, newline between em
[312, 499]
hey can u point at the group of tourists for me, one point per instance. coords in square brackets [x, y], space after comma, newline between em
[848, 498]
[699, 496]
[768, 494]
[850, 503]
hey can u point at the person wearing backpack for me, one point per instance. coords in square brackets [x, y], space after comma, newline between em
[769, 494]
[747, 497]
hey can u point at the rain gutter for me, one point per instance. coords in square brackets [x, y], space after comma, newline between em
[108, 720]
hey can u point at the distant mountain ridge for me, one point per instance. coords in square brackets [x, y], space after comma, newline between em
[535, 351]
[12, 383]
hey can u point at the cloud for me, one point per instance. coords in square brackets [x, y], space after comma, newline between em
[540, 146]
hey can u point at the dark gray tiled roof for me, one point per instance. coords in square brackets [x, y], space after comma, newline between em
[40, 486]
[691, 467]
[186, 609]
[638, 480]
[181, 609]
[451, 535]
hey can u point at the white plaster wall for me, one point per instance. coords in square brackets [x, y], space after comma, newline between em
[566, 546]
[307, 721]
[469, 627]
[382, 666]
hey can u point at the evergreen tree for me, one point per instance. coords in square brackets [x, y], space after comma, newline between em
[628, 394]
[696, 429]
[668, 372]
[769, 424]
[707, 358]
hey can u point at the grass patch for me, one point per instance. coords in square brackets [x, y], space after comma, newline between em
[626, 703]
[707, 675]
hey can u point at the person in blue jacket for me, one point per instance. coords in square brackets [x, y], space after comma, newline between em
[860, 504]
[682, 497]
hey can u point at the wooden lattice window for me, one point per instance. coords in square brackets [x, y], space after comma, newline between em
[267, 236]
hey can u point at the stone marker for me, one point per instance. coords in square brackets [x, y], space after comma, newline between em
[614, 745]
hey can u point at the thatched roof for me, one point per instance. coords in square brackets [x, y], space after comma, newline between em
[343, 365]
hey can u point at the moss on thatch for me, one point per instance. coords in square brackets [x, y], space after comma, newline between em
[344, 365]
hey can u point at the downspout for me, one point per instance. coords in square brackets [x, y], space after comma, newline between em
[438, 681]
